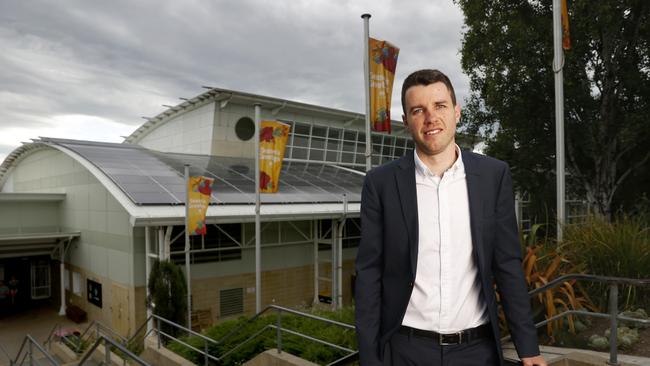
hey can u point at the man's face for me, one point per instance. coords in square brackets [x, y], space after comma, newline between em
[431, 118]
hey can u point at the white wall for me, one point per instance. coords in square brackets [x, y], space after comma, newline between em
[189, 132]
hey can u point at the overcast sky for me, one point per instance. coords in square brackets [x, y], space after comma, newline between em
[91, 69]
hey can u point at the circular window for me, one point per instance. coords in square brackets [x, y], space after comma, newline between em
[245, 128]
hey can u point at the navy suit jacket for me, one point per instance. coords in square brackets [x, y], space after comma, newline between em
[387, 255]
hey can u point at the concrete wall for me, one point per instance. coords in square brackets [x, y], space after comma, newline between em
[106, 241]
[29, 217]
[289, 286]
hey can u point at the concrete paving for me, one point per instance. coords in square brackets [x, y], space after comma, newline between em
[554, 354]
[36, 322]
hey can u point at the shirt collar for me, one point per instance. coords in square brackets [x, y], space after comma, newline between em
[423, 170]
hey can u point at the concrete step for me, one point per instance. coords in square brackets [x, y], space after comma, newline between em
[558, 355]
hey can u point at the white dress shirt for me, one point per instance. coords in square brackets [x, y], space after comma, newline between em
[446, 295]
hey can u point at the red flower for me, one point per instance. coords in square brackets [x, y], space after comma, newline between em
[265, 181]
[266, 134]
[205, 187]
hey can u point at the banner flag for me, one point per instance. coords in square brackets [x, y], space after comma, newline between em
[383, 62]
[199, 191]
[566, 37]
[273, 140]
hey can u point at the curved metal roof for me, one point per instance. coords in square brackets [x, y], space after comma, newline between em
[155, 178]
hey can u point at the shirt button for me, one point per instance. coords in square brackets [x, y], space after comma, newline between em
[410, 284]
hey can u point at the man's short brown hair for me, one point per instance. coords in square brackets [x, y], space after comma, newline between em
[426, 77]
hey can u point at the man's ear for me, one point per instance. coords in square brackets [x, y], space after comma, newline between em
[406, 124]
[457, 112]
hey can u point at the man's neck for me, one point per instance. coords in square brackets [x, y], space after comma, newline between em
[439, 163]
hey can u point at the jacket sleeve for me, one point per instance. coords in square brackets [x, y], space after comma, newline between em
[369, 264]
[508, 272]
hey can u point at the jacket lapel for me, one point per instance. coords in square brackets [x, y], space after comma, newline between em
[405, 178]
[475, 198]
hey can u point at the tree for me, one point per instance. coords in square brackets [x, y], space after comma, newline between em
[507, 51]
[168, 294]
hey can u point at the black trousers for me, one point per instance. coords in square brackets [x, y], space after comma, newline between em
[411, 350]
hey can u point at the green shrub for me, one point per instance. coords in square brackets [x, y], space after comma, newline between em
[620, 248]
[168, 294]
[292, 344]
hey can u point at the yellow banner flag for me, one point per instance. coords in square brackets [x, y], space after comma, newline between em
[200, 189]
[383, 62]
[273, 139]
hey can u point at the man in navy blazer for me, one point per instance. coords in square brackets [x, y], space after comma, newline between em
[438, 230]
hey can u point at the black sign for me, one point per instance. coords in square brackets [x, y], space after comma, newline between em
[95, 293]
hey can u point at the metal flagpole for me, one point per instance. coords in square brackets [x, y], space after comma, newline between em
[187, 247]
[366, 78]
[258, 249]
[558, 65]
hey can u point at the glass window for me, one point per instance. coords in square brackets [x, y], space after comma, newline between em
[245, 128]
[76, 283]
[221, 243]
[41, 282]
[317, 150]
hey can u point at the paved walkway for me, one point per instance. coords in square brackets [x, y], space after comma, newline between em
[37, 322]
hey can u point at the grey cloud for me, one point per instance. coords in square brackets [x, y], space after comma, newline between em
[120, 60]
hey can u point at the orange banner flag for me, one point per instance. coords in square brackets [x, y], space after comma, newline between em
[273, 140]
[566, 38]
[200, 190]
[383, 62]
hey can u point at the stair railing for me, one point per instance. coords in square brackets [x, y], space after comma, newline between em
[30, 345]
[613, 283]
[5, 353]
[277, 327]
[109, 343]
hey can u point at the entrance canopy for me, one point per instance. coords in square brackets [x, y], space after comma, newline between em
[34, 244]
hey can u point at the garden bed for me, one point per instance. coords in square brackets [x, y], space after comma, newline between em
[599, 326]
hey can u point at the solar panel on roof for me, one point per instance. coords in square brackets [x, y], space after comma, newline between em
[155, 178]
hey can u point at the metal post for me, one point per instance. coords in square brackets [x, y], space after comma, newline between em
[107, 356]
[339, 265]
[147, 269]
[558, 65]
[158, 331]
[314, 228]
[613, 335]
[278, 324]
[187, 247]
[366, 78]
[62, 268]
[205, 354]
[30, 352]
[335, 254]
[258, 230]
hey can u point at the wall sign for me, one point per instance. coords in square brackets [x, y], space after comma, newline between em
[95, 293]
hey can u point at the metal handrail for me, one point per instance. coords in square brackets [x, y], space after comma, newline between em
[108, 343]
[49, 336]
[4, 351]
[31, 342]
[278, 327]
[99, 328]
[613, 315]
[137, 332]
[345, 360]
[595, 278]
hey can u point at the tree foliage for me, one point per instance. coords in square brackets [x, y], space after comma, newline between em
[507, 52]
[168, 293]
